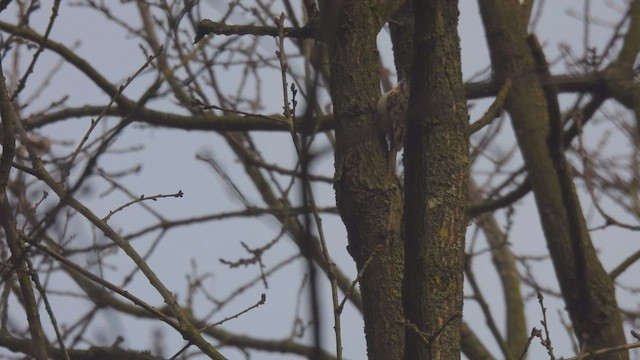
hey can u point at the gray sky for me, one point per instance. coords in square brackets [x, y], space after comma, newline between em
[170, 152]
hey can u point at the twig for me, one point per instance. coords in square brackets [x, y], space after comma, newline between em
[45, 37]
[47, 306]
[597, 353]
[304, 156]
[263, 299]
[179, 194]
[534, 333]
[98, 280]
[359, 276]
[546, 341]
[113, 99]
[484, 306]
[215, 107]
[206, 27]
[428, 338]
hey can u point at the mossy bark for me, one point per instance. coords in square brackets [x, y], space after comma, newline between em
[587, 289]
[436, 186]
[368, 198]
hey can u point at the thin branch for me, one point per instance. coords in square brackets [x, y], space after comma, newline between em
[206, 27]
[179, 194]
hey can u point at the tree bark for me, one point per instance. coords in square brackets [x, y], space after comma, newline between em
[368, 198]
[436, 186]
[586, 288]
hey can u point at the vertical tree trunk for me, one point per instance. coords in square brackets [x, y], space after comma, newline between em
[369, 200]
[436, 186]
[586, 288]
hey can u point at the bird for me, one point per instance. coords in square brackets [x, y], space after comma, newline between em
[391, 113]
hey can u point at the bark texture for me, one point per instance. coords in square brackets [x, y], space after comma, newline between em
[436, 186]
[368, 198]
[586, 288]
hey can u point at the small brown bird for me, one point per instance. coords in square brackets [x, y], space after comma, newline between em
[391, 116]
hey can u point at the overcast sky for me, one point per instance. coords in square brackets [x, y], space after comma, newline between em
[170, 152]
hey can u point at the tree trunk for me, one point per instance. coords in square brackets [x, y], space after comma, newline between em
[586, 288]
[368, 198]
[436, 186]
